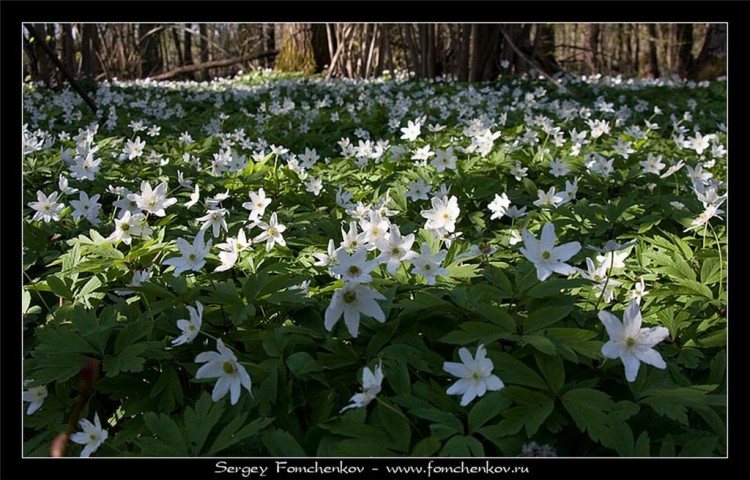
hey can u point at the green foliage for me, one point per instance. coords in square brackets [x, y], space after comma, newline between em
[90, 302]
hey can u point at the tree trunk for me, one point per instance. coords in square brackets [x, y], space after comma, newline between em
[544, 48]
[203, 31]
[592, 54]
[149, 49]
[269, 42]
[69, 48]
[653, 59]
[303, 48]
[682, 45]
[712, 60]
[178, 46]
[90, 66]
[187, 49]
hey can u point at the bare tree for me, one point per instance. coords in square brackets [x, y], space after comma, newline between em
[712, 60]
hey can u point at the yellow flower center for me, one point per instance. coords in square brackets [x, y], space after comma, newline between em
[350, 297]
[228, 368]
[546, 255]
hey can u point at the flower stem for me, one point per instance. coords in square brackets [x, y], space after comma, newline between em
[721, 261]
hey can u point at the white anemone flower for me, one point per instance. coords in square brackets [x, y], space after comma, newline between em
[631, 343]
[475, 375]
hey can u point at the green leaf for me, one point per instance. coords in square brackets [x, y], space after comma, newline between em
[58, 367]
[667, 448]
[302, 363]
[462, 446]
[711, 271]
[486, 409]
[496, 315]
[282, 444]
[426, 447]
[700, 447]
[576, 339]
[642, 445]
[61, 340]
[544, 317]
[696, 287]
[440, 417]
[169, 441]
[128, 360]
[132, 332]
[553, 370]
[88, 288]
[232, 434]
[553, 286]
[513, 371]
[590, 410]
[61, 288]
[476, 331]
[168, 389]
[398, 377]
[199, 422]
[531, 410]
[498, 278]
[674, 402]
[543, 344]
[396, 425]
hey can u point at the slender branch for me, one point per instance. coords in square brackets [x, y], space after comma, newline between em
[530, 62]
[32, 31]
[212, 64]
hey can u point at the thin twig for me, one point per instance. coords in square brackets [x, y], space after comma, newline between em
[61, 67]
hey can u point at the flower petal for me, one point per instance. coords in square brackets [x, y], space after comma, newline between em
[631, 366]
[456, 369]
[632, 318]
[612, 324]
[651, 357]
[548, 237]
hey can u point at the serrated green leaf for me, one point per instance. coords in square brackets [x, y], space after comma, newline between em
[476, 331]
[282, 444]
[577, 339]
[169, 441]
[168, 389]
[530, 411]
[499, 279]
[667, 448]
[642, 445]
[128, 360]
[426, 447]
[396, 425]
[543, 344]
[57, 367]
[553, 286]
[590, 410]
[232, 434]
[544, 317]
[60, 287]
[487, 408]
[397, 376]
[462, 446]
[711, 271]
[674, 402]
[513, 371]
[699, 447]
[199, 422]
[132, 332]
[496, 315]
[301, 364]
[552, 369]
[61, 340]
